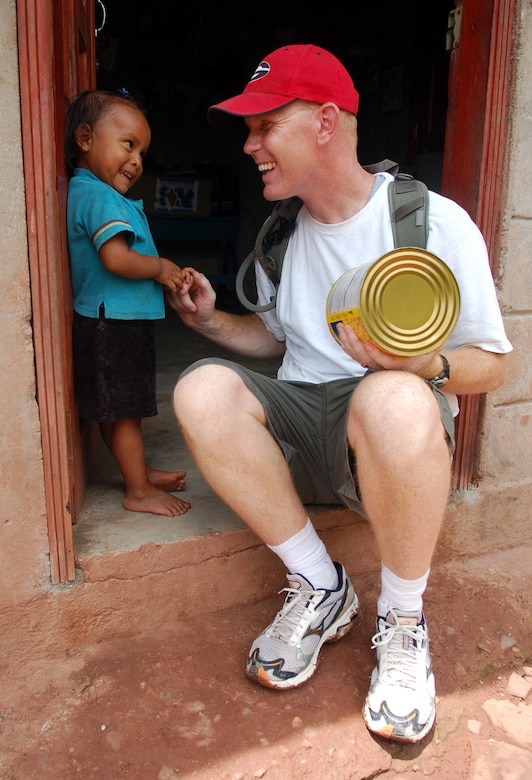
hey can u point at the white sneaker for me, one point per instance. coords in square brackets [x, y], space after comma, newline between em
[286, 653]
[400, 703]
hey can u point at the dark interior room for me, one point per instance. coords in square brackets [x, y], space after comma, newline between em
[180, 58]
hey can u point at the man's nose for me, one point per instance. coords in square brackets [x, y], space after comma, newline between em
[252, 143]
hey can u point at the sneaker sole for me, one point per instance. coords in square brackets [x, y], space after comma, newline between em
[336, 631]
[388, 731]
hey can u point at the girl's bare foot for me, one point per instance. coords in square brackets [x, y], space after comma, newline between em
[167, 480]
[155, 500]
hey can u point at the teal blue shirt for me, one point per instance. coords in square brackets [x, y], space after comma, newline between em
[95, 213]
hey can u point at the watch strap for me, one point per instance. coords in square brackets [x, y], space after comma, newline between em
[441, 379]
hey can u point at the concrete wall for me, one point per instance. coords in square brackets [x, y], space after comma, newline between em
[507, 440]
[23, 535]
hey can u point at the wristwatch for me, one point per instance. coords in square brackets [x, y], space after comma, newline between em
[441, 379]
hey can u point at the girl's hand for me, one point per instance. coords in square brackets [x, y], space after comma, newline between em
[170, 275]
[188, 279]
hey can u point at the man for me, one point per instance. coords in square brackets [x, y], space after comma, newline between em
[343, 423]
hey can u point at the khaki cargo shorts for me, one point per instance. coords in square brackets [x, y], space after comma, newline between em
[309, 422]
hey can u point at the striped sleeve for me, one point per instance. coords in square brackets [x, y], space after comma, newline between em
[114, 226]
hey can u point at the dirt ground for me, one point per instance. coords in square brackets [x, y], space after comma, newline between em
[178, 705]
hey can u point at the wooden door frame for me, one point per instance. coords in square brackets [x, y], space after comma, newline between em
[477, 179]
[42, 119]
[476, 160]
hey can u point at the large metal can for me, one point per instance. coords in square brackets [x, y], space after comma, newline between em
[407, 302]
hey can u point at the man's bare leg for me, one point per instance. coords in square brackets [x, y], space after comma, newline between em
[403, 466]
[225, 428]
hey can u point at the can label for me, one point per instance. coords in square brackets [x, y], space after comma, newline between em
[343, 302]
[406, 302]
[347, 317]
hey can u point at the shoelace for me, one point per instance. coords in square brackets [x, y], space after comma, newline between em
[290, 617]
[399, 663]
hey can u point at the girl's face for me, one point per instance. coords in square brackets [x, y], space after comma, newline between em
[113, 150]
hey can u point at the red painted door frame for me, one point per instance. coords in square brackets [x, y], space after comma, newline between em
[475, 159]
[57, 59]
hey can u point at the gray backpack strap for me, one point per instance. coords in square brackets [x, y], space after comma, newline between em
[384, 166]
[270, 248]
[409, 211]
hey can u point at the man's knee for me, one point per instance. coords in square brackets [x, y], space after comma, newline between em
[213, 390]
[393, 400]
[201, 387]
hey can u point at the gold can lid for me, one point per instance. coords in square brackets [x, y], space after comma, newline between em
[409, 302]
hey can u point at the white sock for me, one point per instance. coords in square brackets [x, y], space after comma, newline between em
[397, 593]
[304, 553]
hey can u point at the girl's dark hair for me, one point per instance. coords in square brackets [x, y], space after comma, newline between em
[86, 109]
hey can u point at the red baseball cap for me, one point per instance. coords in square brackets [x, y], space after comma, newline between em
[300, 71]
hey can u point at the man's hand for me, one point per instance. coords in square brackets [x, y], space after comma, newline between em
[195, 301]
[370, 356]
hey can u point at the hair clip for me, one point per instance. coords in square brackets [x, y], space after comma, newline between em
[124, 92]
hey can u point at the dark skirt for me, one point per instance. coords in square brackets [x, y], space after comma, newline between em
[114, 368]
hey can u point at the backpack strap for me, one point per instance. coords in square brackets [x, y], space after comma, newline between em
[409, 211]
[270, 248]
[384, 166]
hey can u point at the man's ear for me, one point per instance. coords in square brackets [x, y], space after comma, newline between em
[330, 119]
[84, 137]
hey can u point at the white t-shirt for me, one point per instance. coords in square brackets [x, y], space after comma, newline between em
[318, 254]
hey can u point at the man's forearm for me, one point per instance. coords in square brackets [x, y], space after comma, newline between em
[243, 334]
[473, 370]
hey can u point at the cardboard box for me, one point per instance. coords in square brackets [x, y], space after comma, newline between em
[174, 194]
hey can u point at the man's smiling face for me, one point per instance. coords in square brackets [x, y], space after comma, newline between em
[280, 143]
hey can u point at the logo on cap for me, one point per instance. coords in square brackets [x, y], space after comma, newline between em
[262, 70]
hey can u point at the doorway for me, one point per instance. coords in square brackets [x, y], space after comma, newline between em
[184, 59]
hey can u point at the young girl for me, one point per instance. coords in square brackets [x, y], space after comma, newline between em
[118, 283]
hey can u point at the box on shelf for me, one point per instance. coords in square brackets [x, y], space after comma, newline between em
[175, 194]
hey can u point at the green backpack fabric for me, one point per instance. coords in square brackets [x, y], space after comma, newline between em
[408, 200]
